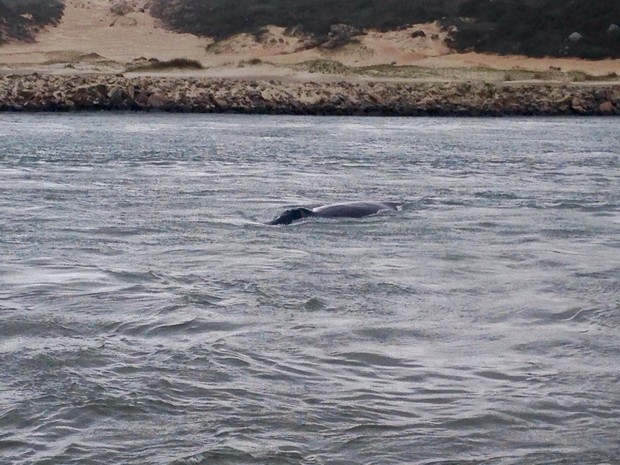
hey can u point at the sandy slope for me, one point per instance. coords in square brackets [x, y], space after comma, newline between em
[88, 26]
[92, 39]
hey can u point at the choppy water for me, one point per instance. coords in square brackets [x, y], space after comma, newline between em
[148, 316]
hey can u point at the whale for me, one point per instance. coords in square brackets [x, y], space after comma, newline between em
[335, 210]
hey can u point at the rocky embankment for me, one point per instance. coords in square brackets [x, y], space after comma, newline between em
[146, 93]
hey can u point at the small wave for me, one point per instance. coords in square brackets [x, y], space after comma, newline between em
[174, 324]
[496, 195]
[219, 455]
[314, 304]
[500, 376]
[366, 359]
[133, 277]
[481, 421]
[588, 207]
[374, 428]
[121, 231]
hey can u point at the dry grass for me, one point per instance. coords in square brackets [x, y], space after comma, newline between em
[480, 73]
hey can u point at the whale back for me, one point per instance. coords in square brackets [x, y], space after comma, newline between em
[336, 210]
[291, 215]
[353, 209]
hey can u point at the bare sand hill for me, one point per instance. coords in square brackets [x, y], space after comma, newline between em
[91, 38]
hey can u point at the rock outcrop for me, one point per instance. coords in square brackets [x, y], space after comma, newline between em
[105, 92]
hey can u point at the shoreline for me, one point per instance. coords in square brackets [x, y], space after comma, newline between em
[101, 92]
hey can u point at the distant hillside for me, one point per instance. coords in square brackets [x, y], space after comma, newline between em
[529, 27]
[540, 27]
[575, 28]
[222, 18]
[22, 19]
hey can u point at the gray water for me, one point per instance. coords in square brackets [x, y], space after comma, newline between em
[149, 316]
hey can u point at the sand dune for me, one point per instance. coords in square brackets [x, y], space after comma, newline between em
[91, 38]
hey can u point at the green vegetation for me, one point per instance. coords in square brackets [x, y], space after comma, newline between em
[580, 76]
[539, 27]
[156, 65]
[325, 67]
[250, 62]
[529, 27]
[223, 18]
[448, 74]
[22, 19]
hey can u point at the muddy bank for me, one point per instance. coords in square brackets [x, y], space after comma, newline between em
[107, 92]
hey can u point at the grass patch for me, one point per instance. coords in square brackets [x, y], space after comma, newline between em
[473, 74]
[215, 48]
[175, 63]
[394, 71]
[324, 67]
[580, 76]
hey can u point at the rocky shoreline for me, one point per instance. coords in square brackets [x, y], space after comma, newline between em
[35, 92]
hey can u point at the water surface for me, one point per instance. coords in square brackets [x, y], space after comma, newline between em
[149, 316]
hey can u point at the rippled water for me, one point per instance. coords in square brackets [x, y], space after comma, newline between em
[148, 316]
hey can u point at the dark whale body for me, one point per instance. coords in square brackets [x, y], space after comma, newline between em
[337, 210]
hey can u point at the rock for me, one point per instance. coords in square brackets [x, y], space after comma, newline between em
[606, 108]
[116, 95]
[574, 37]
[132, 90]
[254, 94]
[603, 95]
[101, 89]
[87, 96]
[613, 30]
[86, 92]
[418, 33]
[219, 102]
[157, 101]
[579, 105]
[141, 98]
[26, 94]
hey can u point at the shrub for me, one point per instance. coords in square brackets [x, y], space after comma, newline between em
[122, 8]
[529, 27]
[21, 19]
[176, 63]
